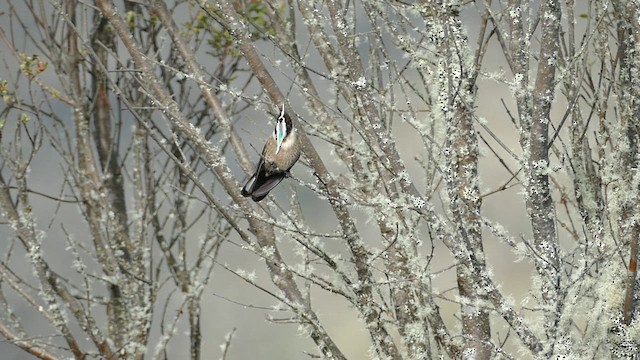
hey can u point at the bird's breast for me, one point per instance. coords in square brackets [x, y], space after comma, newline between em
[284, 159]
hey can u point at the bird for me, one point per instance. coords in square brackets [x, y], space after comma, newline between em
[281, 151]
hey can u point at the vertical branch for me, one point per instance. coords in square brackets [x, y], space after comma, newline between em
[456, 100]
[628, 52]
[586, 182]
[90, 182]
[518, 59]
[632, 275]
[195, 336]
[112, 179]
[113, 246]
[106, 147]
[538, 194]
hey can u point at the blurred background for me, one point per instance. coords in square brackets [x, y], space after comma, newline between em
[128, 129]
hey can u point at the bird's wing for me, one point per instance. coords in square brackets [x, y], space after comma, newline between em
[262, 188]
[246, 189]
[256, 178]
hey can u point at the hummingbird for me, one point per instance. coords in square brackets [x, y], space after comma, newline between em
[280, 153]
